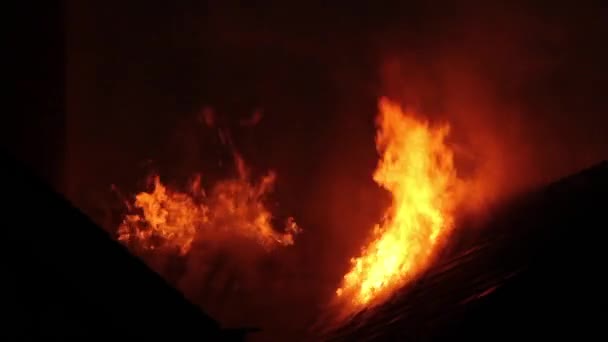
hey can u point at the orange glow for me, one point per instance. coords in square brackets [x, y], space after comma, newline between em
[166, 218]
[416, 167]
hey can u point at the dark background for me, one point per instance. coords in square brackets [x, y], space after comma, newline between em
[114, 90]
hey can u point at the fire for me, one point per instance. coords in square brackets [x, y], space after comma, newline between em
[416, 167]
[233, 208]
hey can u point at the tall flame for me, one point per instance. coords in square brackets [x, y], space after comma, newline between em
[416, 167]
[166, 218]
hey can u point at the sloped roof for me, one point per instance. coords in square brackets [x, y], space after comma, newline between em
[69, 278]
[532, 271]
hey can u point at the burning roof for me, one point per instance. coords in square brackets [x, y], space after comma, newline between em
[532, 269]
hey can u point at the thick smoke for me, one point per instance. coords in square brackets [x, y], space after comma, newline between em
[521, 86]
[518, 85]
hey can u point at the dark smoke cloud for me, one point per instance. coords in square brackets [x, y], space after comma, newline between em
[522, 87]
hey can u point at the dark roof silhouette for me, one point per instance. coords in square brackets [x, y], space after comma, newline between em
[68, 278]
[535, 269]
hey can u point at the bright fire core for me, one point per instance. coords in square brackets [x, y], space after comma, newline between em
[416, 167]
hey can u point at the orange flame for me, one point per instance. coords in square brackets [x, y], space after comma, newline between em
[416, 167]
[233, 208]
